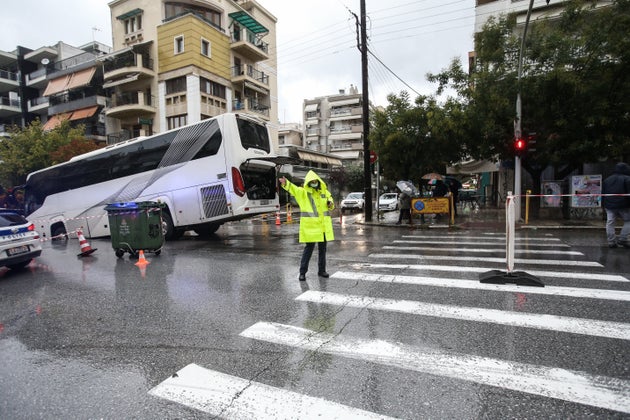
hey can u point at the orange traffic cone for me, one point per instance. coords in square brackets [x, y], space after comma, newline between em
[278, 222]
[141, 259]
[289, 217]
[86, 249]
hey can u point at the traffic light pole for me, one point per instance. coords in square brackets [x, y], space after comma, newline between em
[517, 123]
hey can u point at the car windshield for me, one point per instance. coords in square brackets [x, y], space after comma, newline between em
[354, 196]
[388, 197]
[11, 219]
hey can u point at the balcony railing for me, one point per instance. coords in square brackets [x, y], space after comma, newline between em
[251, 104]
[128, 59]
[132, 98]
[247, 35]
[9, 75]
[9, 102]
[251, 72]
[37, 74]
[122, 135]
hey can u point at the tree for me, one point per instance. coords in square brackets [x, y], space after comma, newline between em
[575, 87]
[412, 140]
[31, 148]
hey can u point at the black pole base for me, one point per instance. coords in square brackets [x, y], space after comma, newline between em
[519, 278]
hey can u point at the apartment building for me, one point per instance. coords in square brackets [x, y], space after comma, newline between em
[334, 124]
[178, 62]
[53, 83]
[541, 9]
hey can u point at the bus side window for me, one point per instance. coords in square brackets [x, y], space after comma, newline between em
[211, 147]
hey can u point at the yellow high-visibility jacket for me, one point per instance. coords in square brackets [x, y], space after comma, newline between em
[315, 207]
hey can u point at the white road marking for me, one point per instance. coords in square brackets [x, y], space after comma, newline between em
[476, 243]
[538, 273]
[619, 295]
[455, 258]
[575, 386]
[494, 250]
[565, 324]
[499, 237]
[227, 396]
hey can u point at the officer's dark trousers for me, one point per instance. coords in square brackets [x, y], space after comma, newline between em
[308, 251]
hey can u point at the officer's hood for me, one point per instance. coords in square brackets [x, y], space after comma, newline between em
[312, 176]
[622, 168]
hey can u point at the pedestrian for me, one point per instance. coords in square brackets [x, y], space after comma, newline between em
[315, 203]
[454, 186]
[617, 206]
[404, 202]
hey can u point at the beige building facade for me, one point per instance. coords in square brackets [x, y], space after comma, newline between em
[179, 62]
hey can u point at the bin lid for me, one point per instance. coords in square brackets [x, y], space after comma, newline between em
[122, 206]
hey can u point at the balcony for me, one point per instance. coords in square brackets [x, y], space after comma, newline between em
[9, 107]
[8, 81]
[126, 66]
[247, 44]
[131, 104]
[252, 105]
[39, 105]
[37, 79]
[251, 78]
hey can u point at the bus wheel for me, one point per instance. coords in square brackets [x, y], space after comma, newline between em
[58, 233]
[168, 229]
[207, 230]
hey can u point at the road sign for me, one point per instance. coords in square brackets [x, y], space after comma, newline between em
[373, 156]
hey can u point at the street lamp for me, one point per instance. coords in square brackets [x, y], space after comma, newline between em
[518, 134]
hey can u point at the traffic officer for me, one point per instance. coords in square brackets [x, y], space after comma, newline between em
[315, 203]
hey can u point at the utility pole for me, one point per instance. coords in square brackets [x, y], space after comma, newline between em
[367, 176]
[518, 133]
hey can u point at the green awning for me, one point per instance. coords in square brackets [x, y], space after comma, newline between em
[249, 22]
[129, 14]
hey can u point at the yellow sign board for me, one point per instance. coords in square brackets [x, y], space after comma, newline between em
[430, 205]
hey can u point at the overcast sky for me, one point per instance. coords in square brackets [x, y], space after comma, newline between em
[317, 41]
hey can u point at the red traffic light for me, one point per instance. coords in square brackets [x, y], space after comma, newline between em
[520, 146]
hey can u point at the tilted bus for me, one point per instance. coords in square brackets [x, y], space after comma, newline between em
[218, 170]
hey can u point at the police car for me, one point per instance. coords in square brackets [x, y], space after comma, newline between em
[19, 241]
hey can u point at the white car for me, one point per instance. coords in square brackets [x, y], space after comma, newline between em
[19, 241]
[388, 201]
[353, 201]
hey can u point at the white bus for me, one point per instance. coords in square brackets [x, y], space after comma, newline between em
[208, 173]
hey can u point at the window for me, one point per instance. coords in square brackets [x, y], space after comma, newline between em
[174, 9]
[132, 21]
[178, 44]
[176, 121]
[206, 48]
[212, 88]
[175, 85]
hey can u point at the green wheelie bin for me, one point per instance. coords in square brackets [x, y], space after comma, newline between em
[135, 227]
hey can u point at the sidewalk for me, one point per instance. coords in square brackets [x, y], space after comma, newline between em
[483, 218]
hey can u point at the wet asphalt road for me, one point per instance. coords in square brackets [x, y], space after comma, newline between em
[91, 337]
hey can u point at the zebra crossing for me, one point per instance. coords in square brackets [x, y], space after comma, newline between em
[425, 263]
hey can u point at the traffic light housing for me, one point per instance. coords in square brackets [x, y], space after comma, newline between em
[520, 146]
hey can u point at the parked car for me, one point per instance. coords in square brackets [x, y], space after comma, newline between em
[388, 201]
[353, 201]
[19, 241]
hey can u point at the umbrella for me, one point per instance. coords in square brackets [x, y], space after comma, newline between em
[407, 187]
[433, 175]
